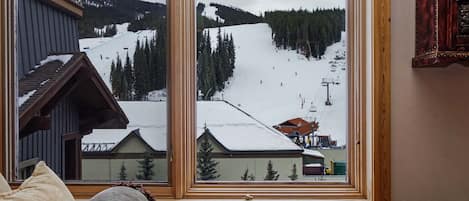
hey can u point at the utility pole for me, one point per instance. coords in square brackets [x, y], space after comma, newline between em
[326, 82]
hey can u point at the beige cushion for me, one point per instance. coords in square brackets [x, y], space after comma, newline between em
[4, 187]
[43, 185]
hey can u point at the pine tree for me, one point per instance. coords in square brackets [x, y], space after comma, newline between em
[145, 168]
[206, 166]
[294, 175]
[248, 177]
[245, 176]
[112, 76]
[271, 173]
[129, 79]
[139, 72]
[123, 173]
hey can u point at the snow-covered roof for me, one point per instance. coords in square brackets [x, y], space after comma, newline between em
[25, 97]
[313, 165]
[232, 127]
[309, 152]
[149, 117]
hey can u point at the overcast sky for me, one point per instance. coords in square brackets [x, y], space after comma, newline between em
[259, 6]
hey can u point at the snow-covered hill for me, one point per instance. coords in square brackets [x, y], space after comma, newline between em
[103, 50]
[276, 85]
[270, 84]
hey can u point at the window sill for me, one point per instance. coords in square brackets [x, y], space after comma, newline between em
[243, 200]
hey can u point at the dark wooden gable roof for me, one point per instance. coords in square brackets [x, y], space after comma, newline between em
[76, 78]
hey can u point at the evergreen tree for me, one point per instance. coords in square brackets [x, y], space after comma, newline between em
[129, 79]
[271, 173]
[294, 175]
[123, 173]
[309, 33]
[117, 78]
[247, 177]
[145, 168]
[206, 165]
[112, 77]
[139, 72]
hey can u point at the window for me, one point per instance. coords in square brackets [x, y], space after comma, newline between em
[182, 126]
[272, 91]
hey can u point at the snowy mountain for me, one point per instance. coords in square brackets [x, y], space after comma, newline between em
[103, 50]
[276, 85]
[270, 84]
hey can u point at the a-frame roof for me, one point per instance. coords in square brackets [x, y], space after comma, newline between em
[69, 75]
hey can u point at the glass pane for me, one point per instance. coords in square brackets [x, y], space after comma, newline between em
[92, 98]
[272, 90]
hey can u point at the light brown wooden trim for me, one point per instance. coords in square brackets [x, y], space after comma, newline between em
[182, 62]
[7, 78]
[181, 88]
[354, 188]
[67, 6]
[86, 191]
[9, 116]
[381, 105]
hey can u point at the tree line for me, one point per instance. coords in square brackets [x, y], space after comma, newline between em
[214, 67]
[131, 82]
[310, 33]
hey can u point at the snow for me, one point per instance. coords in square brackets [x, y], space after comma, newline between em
[313, 165]
[149, 117]
[237, 131]
[157, 95]
[64, 58]
[44, 82]
[314, 153]
[103, 50]
[210, 12]
[25, 97]
[271, 84]
[258, 7]
[155, 1]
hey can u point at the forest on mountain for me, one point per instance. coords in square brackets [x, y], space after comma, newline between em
[309, 33]
[214, 67]
[133, 81]
[98, 13]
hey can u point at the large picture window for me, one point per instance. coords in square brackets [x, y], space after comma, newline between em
[272, 86]
[195, 99]
[92, 90]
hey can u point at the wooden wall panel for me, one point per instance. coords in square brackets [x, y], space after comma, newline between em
[381, 100]
[48, 145]
[43, 30]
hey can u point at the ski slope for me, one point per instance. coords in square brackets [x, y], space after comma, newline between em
[103, 50]
[272, 84]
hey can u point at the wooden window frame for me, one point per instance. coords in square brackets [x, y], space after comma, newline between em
[181, 15]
